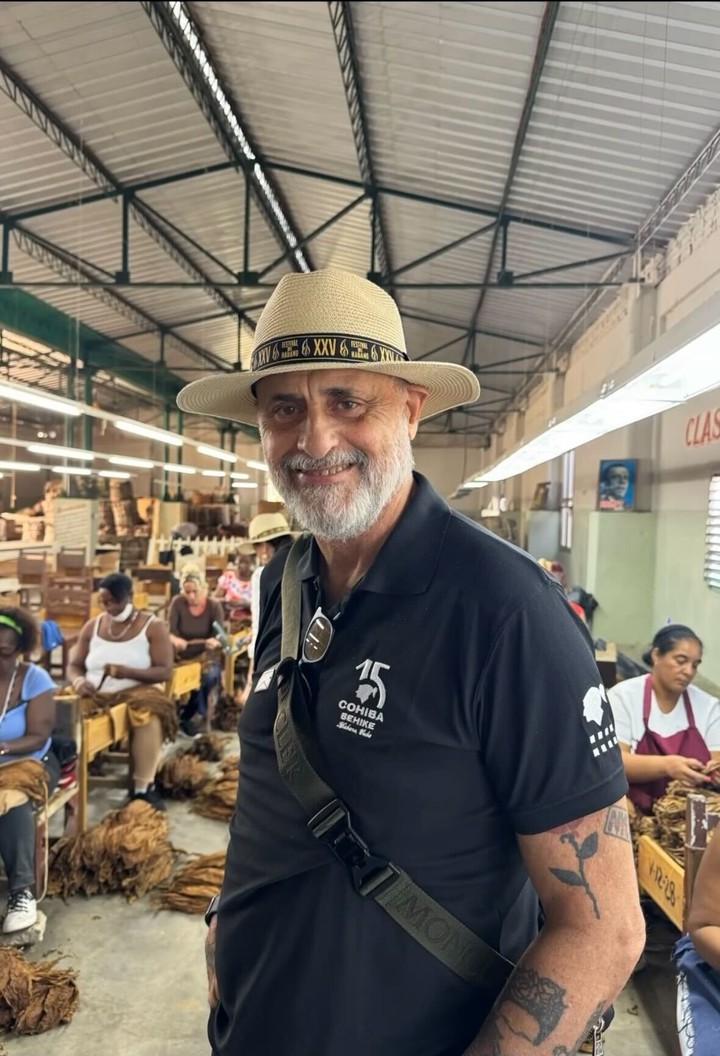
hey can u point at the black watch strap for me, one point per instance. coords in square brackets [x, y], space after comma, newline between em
[212, 909]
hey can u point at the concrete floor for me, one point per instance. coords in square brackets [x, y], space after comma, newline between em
[142, 984]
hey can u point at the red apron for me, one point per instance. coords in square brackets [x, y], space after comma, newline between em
[687, 742]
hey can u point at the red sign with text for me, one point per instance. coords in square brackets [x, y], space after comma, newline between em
[703, 428]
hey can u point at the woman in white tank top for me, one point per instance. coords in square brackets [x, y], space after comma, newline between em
[120, 649]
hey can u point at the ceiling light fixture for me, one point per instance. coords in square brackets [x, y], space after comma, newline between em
[673, 369]
[216, 452]
[162, 436]
[252, 464]
[121, 460]
[60, 452]
[177, 467]
[72, 471]
[114, 474]
[244, 484]
[19, 394]
[239, 476]
[19, 467]
[213, 472]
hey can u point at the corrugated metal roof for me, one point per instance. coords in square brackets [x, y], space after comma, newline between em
[625, 101]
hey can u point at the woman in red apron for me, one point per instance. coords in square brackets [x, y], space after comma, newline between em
[661, 701]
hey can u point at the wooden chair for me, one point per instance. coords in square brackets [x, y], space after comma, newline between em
[72, 563]
[31, 571]
[155, 584]
[65, 799]
[68, 601]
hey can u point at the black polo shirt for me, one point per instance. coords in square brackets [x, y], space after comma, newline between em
[458, 704]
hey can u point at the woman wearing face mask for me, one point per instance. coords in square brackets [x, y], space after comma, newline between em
[192, 617]
[27, 713]
[120, 650]
[668, 729]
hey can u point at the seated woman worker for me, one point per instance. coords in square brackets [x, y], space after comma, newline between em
[668, 729]
[122, 655]
[192, 617]
[27, 714]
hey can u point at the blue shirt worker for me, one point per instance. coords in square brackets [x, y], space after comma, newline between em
[427, 743]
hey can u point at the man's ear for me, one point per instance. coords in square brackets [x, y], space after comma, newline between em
[414, 399]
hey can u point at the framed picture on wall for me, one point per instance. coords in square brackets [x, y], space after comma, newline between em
[616, 484]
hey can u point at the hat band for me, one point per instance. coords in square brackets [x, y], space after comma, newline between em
[324, 348]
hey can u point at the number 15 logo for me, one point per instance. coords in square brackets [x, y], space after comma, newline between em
[371, 683]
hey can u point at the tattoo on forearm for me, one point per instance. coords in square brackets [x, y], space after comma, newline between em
[532, 1006]
[617, 823]
[563, 1050]
[583, 851]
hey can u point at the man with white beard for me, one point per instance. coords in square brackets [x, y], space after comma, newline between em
[415, 760]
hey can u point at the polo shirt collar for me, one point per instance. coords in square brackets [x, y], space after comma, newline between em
[406, 563]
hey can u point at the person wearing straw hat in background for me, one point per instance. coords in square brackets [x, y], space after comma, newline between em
[406, 782]
[269, 533]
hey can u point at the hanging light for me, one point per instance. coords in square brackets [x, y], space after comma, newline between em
[149, 432]
[217, 452]
[61, 452]
[32, 398]
[138, 463]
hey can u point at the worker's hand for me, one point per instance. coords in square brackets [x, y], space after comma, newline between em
[178, 643]
[212, 643]
[82, 687]
[213, 995]
[689, 771]
[118, 671]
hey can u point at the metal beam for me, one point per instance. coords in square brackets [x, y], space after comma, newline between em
[314, 234]
[346, 47]
[183, 42]
[405, 314]
[443, 249]
[81, 155]
[169, 284]
[63, 263]
[543, 224]
[519, 278]
[546, 30]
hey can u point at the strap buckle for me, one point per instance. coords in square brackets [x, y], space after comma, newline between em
[369, 873]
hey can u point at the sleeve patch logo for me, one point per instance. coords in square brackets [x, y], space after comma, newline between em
[597, 712]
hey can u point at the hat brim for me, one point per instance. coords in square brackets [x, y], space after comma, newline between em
[230, 396]
[248, 547]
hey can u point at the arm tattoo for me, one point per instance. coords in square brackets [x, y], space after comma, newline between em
[617, 823]
[583, 851]
[563, 1050]
[532, 1006]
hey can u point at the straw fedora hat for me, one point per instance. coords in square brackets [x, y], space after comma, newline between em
[263, 528]
[328, 320]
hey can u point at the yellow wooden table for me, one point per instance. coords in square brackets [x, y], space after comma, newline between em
[185, 678]
[98, 733]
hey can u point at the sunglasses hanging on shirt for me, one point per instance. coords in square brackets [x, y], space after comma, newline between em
[317, 638]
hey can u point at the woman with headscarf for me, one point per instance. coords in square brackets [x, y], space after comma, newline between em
[27, 713]
[668, 729]
[194, 618]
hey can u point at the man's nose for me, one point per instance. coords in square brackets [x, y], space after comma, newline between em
[317, 435]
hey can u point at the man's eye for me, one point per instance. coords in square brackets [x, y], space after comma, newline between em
[348, 405]
[285, 410]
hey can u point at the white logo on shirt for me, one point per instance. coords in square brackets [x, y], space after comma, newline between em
[362, 715]
[595, 713]
[265, 680]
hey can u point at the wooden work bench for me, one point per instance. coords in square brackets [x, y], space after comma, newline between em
[666, 880]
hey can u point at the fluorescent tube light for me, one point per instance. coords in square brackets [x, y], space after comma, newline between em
[114, 474]
[475, 484]
[252, 464]
[149, 432]
[213, 472]
[35, 399]
[60, 452]
[139, 463]
[244, 484]
[217, 452]
[239, 476]
[177, 467]
[18, 467]
[72, 471]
